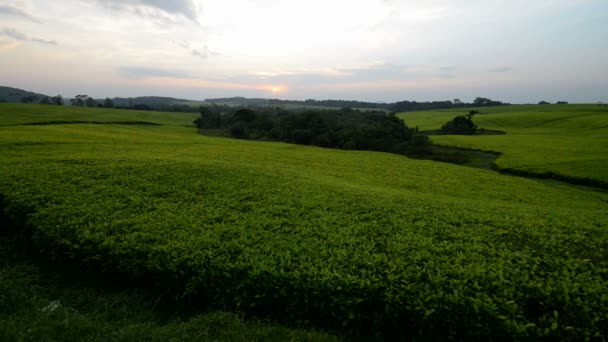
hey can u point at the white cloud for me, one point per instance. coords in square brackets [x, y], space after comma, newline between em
[14, 10]
[189, 9]
[17, 35]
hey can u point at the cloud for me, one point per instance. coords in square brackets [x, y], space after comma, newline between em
[140, 73]
[204, 52]
[17, 35]
[501, 69]
[18, 12]
[155, 8]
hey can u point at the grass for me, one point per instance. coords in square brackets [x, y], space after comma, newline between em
[369, 243]
[18, 114]
[568, 140]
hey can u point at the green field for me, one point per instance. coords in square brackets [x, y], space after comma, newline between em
[362, 242]
[570, 140]
[19, 114]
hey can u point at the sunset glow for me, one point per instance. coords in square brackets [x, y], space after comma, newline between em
[383, 50]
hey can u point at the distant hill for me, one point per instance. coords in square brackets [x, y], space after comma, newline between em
[8, 94]
[162, 103]
[152, 101]
[242, 101]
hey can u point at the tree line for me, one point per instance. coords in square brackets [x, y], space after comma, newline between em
[402, 106]
[45, 100]
[347, 128]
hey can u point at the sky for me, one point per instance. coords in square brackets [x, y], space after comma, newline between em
[517, 51]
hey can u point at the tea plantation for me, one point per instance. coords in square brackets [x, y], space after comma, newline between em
[568, 140]
[365, 243]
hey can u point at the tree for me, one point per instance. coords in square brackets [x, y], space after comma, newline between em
[457, 102]
[419, 145]
[247, 115]
[462, 125]
[108, 103]
[45, 101]
[562, 102]
[57, 100]
[210, 118]
[28, 99]
[79, 100]
[90, 102]
[484, 102]
[543, 103]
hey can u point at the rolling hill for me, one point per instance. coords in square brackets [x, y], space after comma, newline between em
[14, 95]
[366, 243]
[561, 140]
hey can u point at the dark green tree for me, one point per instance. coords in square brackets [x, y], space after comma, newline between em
[90, 102]
[79, 100]
[210, 118]
[28, 99]
[57, 100]
[108, 103]
[461, 125]
[45, 101]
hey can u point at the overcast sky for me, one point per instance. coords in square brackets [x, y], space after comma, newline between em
[517, 51]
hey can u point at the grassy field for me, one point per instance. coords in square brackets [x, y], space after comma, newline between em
[19, 114]
[364, 242]
[571, 140]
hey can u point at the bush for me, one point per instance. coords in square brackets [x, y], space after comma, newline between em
[461, 125]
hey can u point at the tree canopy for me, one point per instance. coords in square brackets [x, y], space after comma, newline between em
[344, 129]
[460, 125]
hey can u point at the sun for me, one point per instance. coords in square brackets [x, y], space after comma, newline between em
[276, 89]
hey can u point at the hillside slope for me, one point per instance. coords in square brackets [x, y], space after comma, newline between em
[31, 114]
[14, 95]
[570, 140]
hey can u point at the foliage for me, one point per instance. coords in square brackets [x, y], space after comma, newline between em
[401, 106]
[485, 102]
[107, 103]
[57, 100]
[29, 99]
[37, 304]
[367, 242]
[46, 101]
[408, 106]
[345, 129]
[210, 118]
[460, 125]
[83, 101]
[261, 102]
